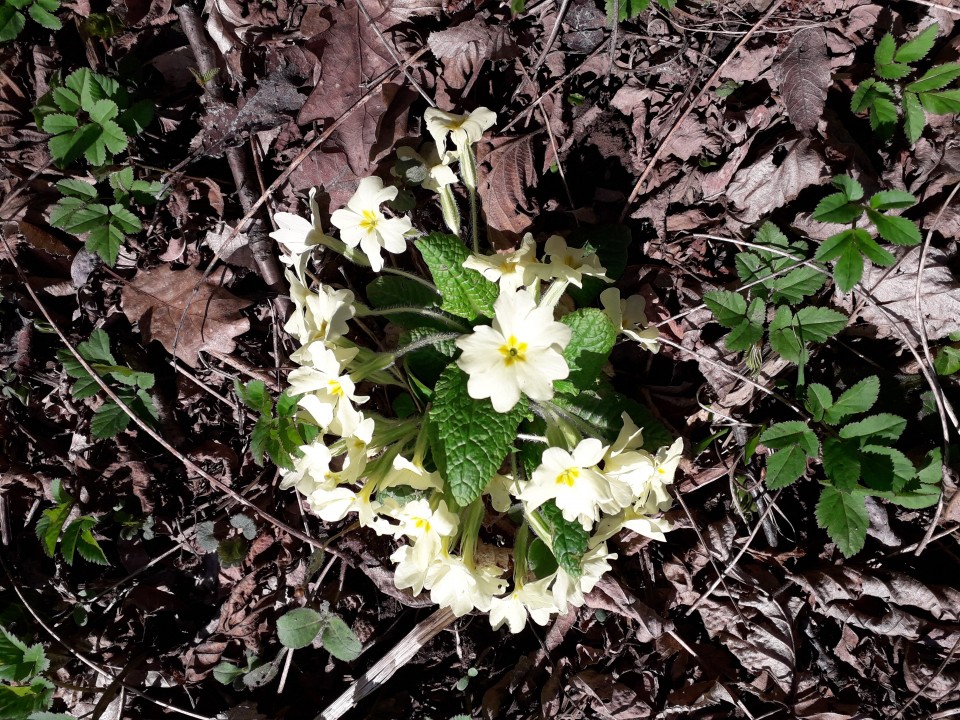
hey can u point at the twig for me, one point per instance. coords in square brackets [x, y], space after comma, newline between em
[665, 143]
[402, 653]
[937, 6]
[933, 677]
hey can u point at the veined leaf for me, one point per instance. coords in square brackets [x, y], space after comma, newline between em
[941, 103]
[841, 462]
[881, 425]
[889, 199]
[339, 640]
[914, 118]
[837, 208]
[19, 663]
[297, 628]
[884, 52]
[935, 78]
[785, 466]
[895, 229]
[850, 187]
[844, 516]
[918, 48]
[593, 337]
[568, 538]
[465, 292]
[856, 399]
[792, 432]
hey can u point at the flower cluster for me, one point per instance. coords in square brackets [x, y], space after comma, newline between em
[487, 442]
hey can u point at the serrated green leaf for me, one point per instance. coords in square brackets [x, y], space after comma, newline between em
[833, 246]
[844, 517]
[71, 535]
[889, 199]
[729, 308]
[77, 216]
[841, 463]
[871, 250]
[254, 395]
[135, 119]
[895, 229]
[44, 17]
[66, 99]
[881, 425]
[883, 53]
[18, 702]
[339, 640]
[750, 331]
[77, 188]
[941, 103]
[883, 115]
[935, 78]
[924, 489]
[848, 185]
[815, 324]
[856, 399]
[785, 466]
[11, 23]
[849, 268]
[108, 420]
[902, 470]
[792, 432]
[50, 525]
[837, 208]
[105, 241]
[57, 124]
[914, 118]
[297, 628]
[469, 438]
[231, 551]
[917, 49]
[863, 96]
[623, 10]
[893, 71]
[465, 292]
[784, 340]
[592, 338]
[96, 348]
[568, 538]
[819, 399]
[19, 663]
[796, 285]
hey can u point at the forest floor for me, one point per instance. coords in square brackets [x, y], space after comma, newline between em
[689, 127]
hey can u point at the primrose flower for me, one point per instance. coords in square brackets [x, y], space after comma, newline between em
[412, 475]
[299, 235]
[534, 598]
[629, 318]
[310, 470]
[522, 352]
[455, 585]
[568, 590]
[571, 264]
[320, 315]
[464, 130]
[573, 481]
[362, 222]
[436, 170]
[332, 504]
[511, 269]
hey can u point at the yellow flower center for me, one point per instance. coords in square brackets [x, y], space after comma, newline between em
[335, 387]
[370, 220]
[422, 524]
[568, 477]
[513, 351]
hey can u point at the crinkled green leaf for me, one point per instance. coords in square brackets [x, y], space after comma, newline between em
[623, 10]
[465, 292]
[729, 308]
[881, 425]
[817, 324]
[924, 489]
[856, 399]
[568, 538]
[339, 640]
[796, 285]
[297, 628]
[592, 338]
[844, 516]
[469, 438]
[254, 395]
[71, 536]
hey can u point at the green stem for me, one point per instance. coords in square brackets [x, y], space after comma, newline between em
[434, 339]
[451, 213]
[470, 519]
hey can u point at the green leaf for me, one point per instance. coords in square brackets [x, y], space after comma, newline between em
[11, 23]
[816, 324]
[914, 118]
[916, 49]
[850, 187]
[339, 640]
[841, 462]
[20, 701]
[883, 53]
[898, 230]
[108, 420]
[881, 425]
[947, 361]
[844, 517]
[784, 340]
[729, 308]
[469, 438]
[593, 337]
[863, 96]
[611, 244]
[57, 124]
[50, 525]
[857, 399]
[903, 469]
[68, 543]
[893, 71]
[44, 17]
[819, 398]
[255, 396]
[297, 628]
[872, 251]
[792, 432]
[796, 285]
[465, 292]
[226, 673]
[604, 409]
[568, 538]
[622, 10]
[77, 188]
[889, 199]
[941, 103]
[785, 466]
[924, 489]
[883, 115]
[849, 267]
[96, 348]
[19, 663]
[392, 291]
[935, 78]
[837, 208]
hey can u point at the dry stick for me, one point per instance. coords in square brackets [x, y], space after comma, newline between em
[693, 103]
[393, 54]
[219, 485]
[564, 7]
[925, 343]
[402, 653]
[937, 6]
[260, 244]
[743, 550]
[83, 658]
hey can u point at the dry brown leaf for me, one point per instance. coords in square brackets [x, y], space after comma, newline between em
[157, 299]
[462, 49]
[894, 291]
[776, 179]
[506, 187]
[804, 70]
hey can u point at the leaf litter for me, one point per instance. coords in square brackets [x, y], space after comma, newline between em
[793, 628]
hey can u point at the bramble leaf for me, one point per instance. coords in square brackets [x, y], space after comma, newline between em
[917, 49]
[935, 78]
[785, 466]
[881, 425]
[844, 516]
[856, 399]
[895, 229]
